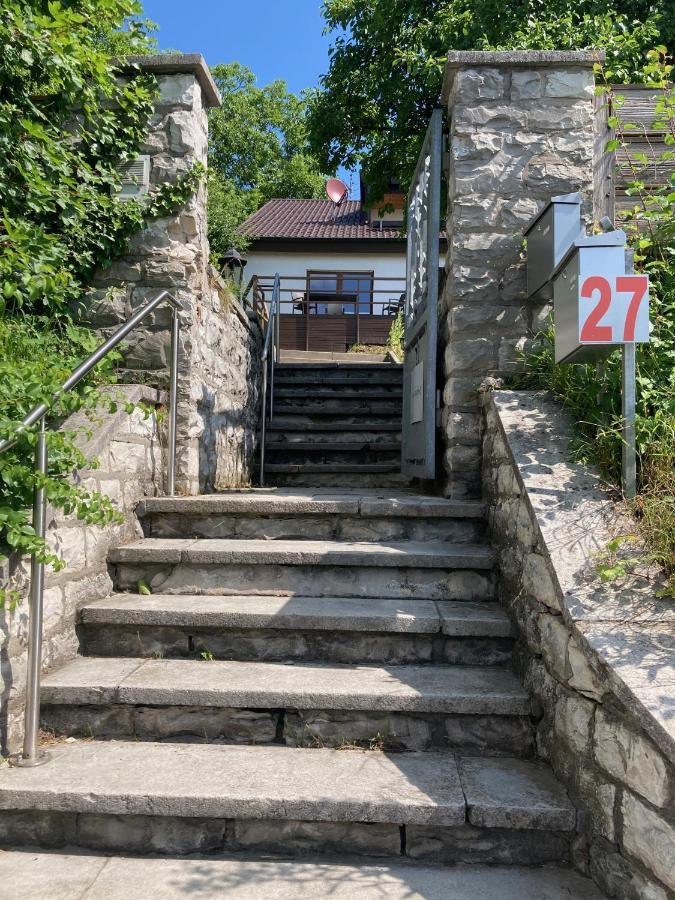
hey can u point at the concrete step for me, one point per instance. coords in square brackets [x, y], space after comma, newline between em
[316, 359]
[471, 709]
[432, 569]
[182, 798]
[304, 424]
[330, 629]
[372, 376]
[357, 393]
[338, 468]
[96, 877]
[278, 442]
[339, 480]
[319, 460]
[333, 440]
[311, 406]
[314, 514]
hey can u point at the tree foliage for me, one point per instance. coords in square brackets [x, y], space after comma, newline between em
[258, 150]
[67, 121]
[387, 62]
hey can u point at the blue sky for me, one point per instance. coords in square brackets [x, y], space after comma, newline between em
[274, 38]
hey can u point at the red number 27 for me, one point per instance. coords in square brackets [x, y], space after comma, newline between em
[594, 333]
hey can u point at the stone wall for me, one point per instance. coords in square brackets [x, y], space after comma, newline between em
[598, 658]
[131, 466]
[220, 348]
[521, 129]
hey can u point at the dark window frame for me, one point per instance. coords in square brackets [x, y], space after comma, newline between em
[339, 280]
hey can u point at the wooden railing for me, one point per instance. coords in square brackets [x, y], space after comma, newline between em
[357, 309]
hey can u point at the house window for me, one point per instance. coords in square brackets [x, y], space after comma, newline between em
[338, 293]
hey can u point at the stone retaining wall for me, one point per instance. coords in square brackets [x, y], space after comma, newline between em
[598, 658]
[521, 129]
[220, 347]
[131, 467]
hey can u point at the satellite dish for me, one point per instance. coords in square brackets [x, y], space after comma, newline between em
[337, 191]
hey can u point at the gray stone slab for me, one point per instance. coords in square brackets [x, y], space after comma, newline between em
[255, 502]
[641, 668]
[577, 518]
[28, 875]
[308, 500]
[511, 793]
[421, 506]
[102, 689]
[159, 550]
[473, 619]
[174, 63]
[287, 613]
[206, 780]
[178, 682]
[25, 874]
[222, 551]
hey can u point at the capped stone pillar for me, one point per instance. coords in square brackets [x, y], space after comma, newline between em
[521, 129]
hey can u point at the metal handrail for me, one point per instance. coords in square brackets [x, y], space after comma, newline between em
[31, 755]
[269, 357]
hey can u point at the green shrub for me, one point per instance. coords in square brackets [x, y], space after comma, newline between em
[67, 121]
[396, 335]
[592, 394]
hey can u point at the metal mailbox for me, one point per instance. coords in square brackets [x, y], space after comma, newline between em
[596, 305]
[549, 236]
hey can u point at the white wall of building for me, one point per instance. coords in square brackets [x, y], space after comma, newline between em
[386, 267]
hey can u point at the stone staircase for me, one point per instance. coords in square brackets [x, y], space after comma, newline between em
[317, 671]
[335, 419]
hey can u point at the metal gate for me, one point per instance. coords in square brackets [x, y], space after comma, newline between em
[421, 308]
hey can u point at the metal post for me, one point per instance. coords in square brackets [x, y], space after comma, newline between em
[173, 405]
[262, 427]
[31, 755]
[628, 453]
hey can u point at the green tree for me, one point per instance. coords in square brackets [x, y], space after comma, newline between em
[258, 150]
[67, 121]
[387, 61]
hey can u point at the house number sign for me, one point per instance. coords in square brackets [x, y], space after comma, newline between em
[614, 310]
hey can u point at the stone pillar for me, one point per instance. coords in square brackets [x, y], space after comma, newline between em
[219, 346]
[521, 129]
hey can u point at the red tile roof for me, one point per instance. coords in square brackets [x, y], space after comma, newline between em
[313, 219]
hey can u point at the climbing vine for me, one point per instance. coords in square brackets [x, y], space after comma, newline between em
[68, 120]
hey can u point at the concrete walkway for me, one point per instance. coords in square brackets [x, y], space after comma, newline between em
[25, 875]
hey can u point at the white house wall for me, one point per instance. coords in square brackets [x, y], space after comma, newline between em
[385, 266]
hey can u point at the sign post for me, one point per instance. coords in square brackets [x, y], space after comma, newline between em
[628, 451]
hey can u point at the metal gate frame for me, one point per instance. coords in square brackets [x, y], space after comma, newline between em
[418, 449]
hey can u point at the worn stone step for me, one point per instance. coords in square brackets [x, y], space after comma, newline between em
[95, 877]
[408, 554]
[333, 440]
[343, 362]
[182, 798]
[332, 407]
[324, 444]
[358, 393]
[340, 480]
[339, 461]
[284, 423]
[400, 707]
[368, 504]
[314, 514]
[385, 375]
[432, 569]
[338, 468]
[330, 629]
